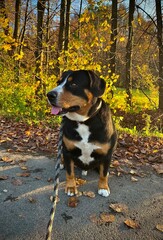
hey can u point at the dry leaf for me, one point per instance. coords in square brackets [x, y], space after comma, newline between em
[32, 200]
[133, 179]
[94, 219]
[27, 133]
[37, 178]
[50, 180]
[80, 181]
[6, 159]
[106, 217]
[17, 182]
[158, 168]
[89, 194]
[24, 167]
[73, 201]
[119, 207]
[159, 227]
[131, 223]
[25, 174]
[3, 177]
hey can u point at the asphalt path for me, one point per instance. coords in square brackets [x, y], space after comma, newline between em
[25, 203]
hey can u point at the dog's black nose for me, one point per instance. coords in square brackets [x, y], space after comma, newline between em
[52, 95]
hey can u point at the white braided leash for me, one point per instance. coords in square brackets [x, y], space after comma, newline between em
[56, 186]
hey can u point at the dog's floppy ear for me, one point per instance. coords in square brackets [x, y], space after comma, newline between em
[97, 85]
[66, 73]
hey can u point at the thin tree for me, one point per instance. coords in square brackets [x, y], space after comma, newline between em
[113, 37]
[160, 47]
[67, 25]
[39, 48]
[61, 33]
[79, 16]
[17, 19]
[128, 80]
[47, 38]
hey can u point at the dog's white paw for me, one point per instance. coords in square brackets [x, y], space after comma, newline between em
[104, 192]
[70, 194]
[61, 166]
[84, 173]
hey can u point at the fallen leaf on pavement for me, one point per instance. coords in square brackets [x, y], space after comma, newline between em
[32, 200]
[131, 223]
[6, 159]
[24, 167]
[158, 168]
[119, 207]
[17, 182]
[3, 177]
[89, 194]
[25, 174]
[107, 218]
[94, 219]
[133, 179]
[159, 227]
[80, 181]
[73, 202]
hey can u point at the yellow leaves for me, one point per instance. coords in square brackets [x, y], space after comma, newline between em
[122, 39]
[18, 56]
[4, 22]
[6, 47]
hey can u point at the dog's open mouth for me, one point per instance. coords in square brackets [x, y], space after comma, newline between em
[61, 111]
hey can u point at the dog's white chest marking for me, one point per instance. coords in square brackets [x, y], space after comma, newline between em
[85, 146]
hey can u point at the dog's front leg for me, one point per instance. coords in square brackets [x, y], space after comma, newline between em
[71, 188]
[103, 188]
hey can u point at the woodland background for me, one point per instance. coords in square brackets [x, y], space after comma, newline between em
[122, 41]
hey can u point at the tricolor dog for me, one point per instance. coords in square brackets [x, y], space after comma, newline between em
[89, 135]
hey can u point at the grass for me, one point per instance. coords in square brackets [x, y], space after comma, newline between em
[141, 101]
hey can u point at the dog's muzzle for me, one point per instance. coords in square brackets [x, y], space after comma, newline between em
[56, 110]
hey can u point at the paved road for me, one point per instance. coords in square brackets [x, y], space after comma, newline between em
[25, 204]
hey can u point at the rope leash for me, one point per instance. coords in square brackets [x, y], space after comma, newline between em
[56, 185]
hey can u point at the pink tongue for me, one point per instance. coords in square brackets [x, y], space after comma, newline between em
[55, 110]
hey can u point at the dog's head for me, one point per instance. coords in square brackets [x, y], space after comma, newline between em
[75, 94]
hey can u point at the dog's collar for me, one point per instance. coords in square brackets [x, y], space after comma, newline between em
[92, 112]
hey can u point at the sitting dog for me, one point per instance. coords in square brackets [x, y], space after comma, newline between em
[89, 135]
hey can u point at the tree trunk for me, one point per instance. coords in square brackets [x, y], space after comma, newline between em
[67, 25]
[17, 19]
[79, 24]
[39, 49]
[160, 46]
[61, 34]
[113, 37]
[47, 39]
[128, 83]
[15, 36]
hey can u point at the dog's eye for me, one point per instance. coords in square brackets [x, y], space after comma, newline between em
[73, 85]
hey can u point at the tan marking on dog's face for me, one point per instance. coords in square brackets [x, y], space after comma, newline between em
[103, 180]
[69, 143]
[67, 99]
[69, 79]
[104, 148]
